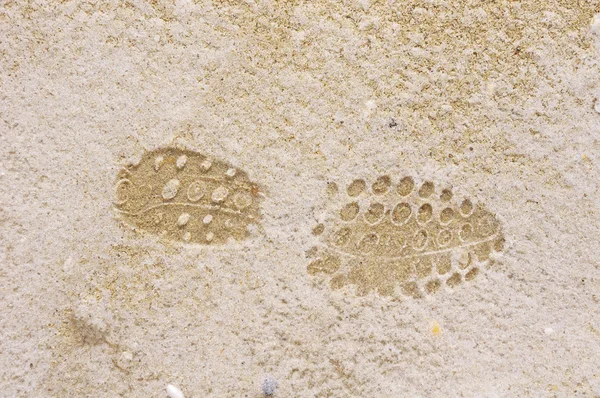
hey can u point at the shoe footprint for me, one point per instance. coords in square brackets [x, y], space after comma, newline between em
[404, 238]
[183, 195]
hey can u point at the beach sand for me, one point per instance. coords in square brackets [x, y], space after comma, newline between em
[498, 102]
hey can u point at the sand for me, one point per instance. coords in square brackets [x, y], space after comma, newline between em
[498, 102]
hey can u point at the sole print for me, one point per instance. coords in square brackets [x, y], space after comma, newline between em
[185, 196]
[403, 238]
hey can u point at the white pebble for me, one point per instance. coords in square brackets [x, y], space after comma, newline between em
[187, 236]
[210, 236]
[174, 392]
[206, 165]
[181, 161]
[230, 173]
[548, 331]
[183, 219]
[170, 189]
[219, 194]
[595, 24]
[134, 161]
[158, 162]
[207, 219]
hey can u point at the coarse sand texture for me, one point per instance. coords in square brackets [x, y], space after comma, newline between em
[294, 198]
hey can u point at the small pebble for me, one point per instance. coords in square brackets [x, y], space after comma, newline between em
[158, 162]
[174, 392]
[595, 24]
[269, 385]
[170, 189]
[219, 194]
[134, 161]
[435, 328]
[181, 161]
[206, 165]
[183, 219]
